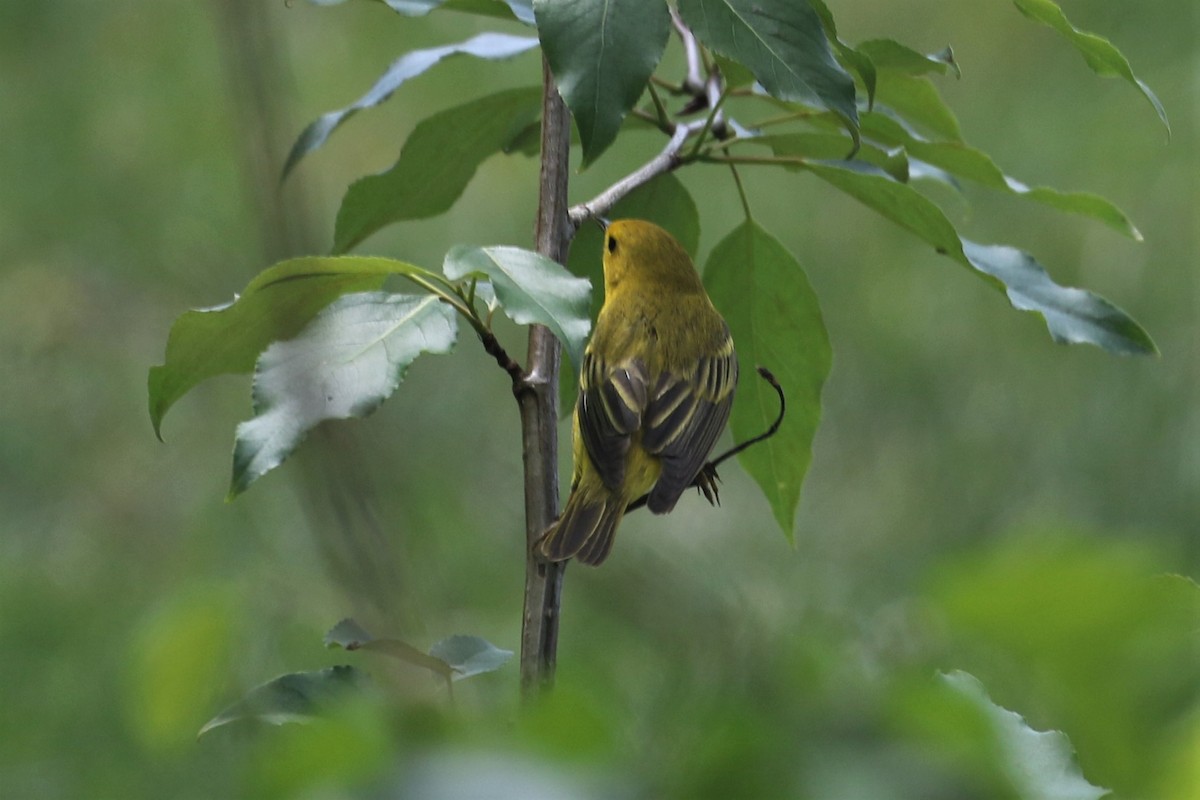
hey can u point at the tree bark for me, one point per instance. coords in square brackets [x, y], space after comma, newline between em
[538, 401]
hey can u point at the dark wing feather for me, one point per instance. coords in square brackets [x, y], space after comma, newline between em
[610, 405]
[684, 417]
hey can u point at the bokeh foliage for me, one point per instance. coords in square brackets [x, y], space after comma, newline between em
[978, 499]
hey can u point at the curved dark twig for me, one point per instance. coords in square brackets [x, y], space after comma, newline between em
[707, 478]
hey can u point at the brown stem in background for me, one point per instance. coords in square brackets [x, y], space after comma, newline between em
[537, 397]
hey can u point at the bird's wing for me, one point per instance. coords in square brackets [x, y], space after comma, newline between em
[684, 416]
[611, 401]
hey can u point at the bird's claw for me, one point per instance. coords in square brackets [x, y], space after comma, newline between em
[706, 482]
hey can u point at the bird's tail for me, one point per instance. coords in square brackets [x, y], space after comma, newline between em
[585, 530]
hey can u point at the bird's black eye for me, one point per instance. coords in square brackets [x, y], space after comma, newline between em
[612, 244]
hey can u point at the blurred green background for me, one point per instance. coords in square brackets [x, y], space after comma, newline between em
[979, 497]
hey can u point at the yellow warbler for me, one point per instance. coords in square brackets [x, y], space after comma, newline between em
[655, 390]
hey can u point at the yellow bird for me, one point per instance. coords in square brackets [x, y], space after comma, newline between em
[655, 389]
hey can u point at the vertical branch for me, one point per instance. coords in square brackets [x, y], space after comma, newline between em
[538, 400]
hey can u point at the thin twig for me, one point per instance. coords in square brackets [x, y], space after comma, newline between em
[694, 82]
[706, 479]
[667, 160]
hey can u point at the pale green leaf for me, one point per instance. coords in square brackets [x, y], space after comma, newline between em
[783, 43]
[773, 314]
[1072, 315]
[888, 54]
[346, 362]
[1039, 764]
[227, 339]
[531, 289]
[1099, 53]
[601, 52]
[295, 697]
[968, 162]
[349, 635]
[520, 10]
[490, 46]
[470, 655]
[436, 163]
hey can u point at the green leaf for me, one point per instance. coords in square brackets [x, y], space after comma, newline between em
[783, 43]
[490, 46]
[918, 100]
[855, 59]
[1084, 626]
[295, 697]
[470, 655]
[835, 146]
[1072, 315]
[349, 635]
[1040, 765]
[888, 54]
[967, 162]
[601, 52]
[773, 314]
[277, 304]
[520, 10]
[436, 163]
[531, 289]
[346, 362]
[1099, 53]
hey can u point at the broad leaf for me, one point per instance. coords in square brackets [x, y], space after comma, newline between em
[436, 163]
[1100, 54]
[1040, 765]
[531, 289]
[348, 360]
[1072, 315]
[835, 146]
[601, 53]
[783, 43]
[296, 697]
[967, 162]
[918, 100]
[470, 655]
[888, 54]
[276, 305]
[349, 635]
[772, 312]
[491, 46]
[851, 57]
[520, 10]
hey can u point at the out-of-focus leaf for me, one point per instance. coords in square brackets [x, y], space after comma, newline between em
[1072, 315]
[470, 655]
[275, 305]
[295, 697]
[490, 46]
[1086, 630]
[1039, 764]
[346, 362]
[783, 43]
[601, 54]
[180, 657]
[531, 289]
[891, 55]
[852, 57]
[967, 162]
[1099, 53]
[436, 163]
[773, 314]
[349, 635]
[520, 10]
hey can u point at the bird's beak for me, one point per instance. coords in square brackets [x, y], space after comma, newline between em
[603, 222]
